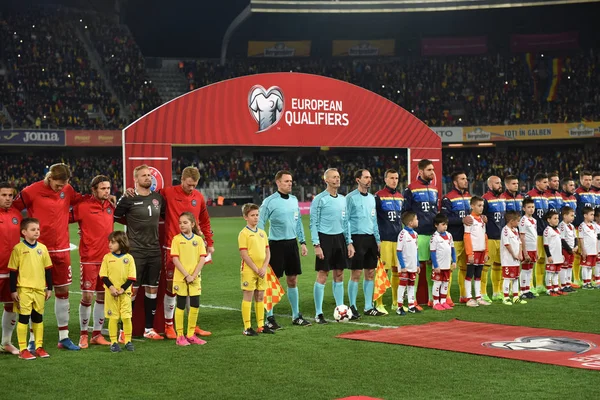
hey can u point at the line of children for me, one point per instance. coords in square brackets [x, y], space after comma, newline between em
[511, 255]
[408, 258]
[30, 271]
[118, 274]
[254, 250]
[597, 267]
[588, 243]
[553, 247]
[189, 255]
[567, 233]
[528, 235]
[476, 243]
[443, 259]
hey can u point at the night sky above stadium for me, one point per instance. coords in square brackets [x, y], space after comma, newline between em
[193, 28]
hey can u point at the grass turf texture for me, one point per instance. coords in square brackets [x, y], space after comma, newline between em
[301, 362]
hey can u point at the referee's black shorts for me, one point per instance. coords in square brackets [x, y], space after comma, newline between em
[335, 252]
[365, 252]
[285, 257]
[147, 268]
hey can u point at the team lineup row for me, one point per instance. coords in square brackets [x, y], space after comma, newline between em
[349, 231]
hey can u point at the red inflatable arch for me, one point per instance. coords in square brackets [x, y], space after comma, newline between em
[280, 110]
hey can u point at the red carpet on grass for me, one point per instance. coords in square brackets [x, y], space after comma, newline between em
[547, 346]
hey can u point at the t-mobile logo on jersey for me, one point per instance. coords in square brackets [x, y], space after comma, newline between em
[266, 106]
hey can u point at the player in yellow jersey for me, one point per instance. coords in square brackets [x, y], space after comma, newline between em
[30, 270]
[189, 254]
[254, 249]
[118, 274]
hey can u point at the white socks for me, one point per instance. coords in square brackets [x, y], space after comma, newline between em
[61, 309]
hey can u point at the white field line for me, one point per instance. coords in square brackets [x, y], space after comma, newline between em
[224, 308]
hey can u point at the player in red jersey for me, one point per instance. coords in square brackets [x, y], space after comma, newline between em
[10, 234]
[49, 201]
[179, 199]
[95, 216]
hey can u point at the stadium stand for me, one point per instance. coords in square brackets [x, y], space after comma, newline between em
[123, 59]
[227, 171]
[48, 80]
[23, 169]
[448, 91]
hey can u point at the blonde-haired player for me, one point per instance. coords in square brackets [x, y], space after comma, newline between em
[189, 254]
[254, 249]
[30, 269]
[118, 274]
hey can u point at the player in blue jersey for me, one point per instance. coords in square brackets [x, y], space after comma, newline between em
[330, 234]
[494, 209]
[595, 188]
[388, 203]
[456, 207]
[555, 199]
[512, 197]
[282, 212]
[540, 200]
[584, 197]
[362, 218]
[421, 197]
[568, 193]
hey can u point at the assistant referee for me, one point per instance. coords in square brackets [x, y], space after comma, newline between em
[330, 234]
[282, 211]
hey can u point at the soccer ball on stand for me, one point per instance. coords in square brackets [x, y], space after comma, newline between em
[342, 313]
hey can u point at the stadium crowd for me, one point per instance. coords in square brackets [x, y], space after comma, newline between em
[255, 171]
[124, 61]
[21, 169]
[48, 80]
[448, 91]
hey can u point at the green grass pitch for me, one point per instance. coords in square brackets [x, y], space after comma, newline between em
[300, 362]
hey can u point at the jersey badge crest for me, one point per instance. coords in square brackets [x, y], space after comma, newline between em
[15, 221]
[157, 179]
[109, 312]
[87, 284]
[62, 195]
[245, 283]
[194, 202]
[155, 203]
[126, 260]
[195, 243]
[176, 287]
[39, 251]
[109, 211]
[261, 235]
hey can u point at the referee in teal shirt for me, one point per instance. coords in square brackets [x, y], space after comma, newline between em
[282, 212]
[330, 234]
[362, 217]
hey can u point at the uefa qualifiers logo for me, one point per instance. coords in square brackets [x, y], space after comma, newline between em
[266, 106]
[157, 179]
[543, 344]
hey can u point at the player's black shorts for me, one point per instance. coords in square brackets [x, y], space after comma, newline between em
[285, 257]
[366, 252]
[147, 269]
[335, 252]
